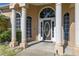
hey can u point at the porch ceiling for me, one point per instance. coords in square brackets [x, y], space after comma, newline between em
[68, 5]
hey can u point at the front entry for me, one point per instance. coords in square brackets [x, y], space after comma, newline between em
[46, 29]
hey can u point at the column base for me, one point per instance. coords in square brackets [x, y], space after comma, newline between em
[76, 51]
[58, 50]
[23, 45]
[13, 44]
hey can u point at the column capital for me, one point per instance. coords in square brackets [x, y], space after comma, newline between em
[12, 5]
[22, 4]
[58, 4]
[23, 9]
[12, 9]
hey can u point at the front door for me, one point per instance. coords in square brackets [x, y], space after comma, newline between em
[46, 29]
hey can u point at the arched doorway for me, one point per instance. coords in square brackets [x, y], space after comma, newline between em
[47, 24]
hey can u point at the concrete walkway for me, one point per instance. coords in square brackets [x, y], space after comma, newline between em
[42, 49]
[38, 49]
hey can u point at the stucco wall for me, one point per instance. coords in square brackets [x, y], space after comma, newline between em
[71, 11]
[72, 27]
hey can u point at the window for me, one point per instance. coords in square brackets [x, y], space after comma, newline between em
[18, 20]
[52, 28]
[28, 24]
[29, 27]
[66, 26]
[41, 29]
[47, 13]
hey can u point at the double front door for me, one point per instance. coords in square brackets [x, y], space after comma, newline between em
[47, 26]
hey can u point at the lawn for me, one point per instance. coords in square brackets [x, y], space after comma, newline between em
[5, 50]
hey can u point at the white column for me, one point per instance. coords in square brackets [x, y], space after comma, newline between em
[23, 28]
[58, 35]
[58, 28]
[77, 24]
[13, 22]
[13, 27]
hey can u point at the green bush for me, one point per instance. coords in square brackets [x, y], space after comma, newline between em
[6, 36]
[18, 36]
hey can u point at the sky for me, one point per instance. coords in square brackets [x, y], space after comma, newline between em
[3, 4]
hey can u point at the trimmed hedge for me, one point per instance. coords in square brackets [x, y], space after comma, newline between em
[6, 36]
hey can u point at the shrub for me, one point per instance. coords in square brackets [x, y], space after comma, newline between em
[18, 36]
[6, 36]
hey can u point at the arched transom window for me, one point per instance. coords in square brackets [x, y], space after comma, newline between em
[47, 13]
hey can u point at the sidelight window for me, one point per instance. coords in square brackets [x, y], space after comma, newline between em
[66, 26]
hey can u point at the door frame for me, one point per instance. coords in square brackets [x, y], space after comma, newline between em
[39, 27]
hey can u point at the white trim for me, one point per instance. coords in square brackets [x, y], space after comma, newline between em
[39, 21]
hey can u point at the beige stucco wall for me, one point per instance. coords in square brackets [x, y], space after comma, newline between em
[70, 9]
[72, 27]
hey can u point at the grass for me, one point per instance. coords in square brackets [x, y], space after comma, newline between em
[5, 50]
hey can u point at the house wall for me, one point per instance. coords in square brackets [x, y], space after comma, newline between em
[71, 10]
[34, 10]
